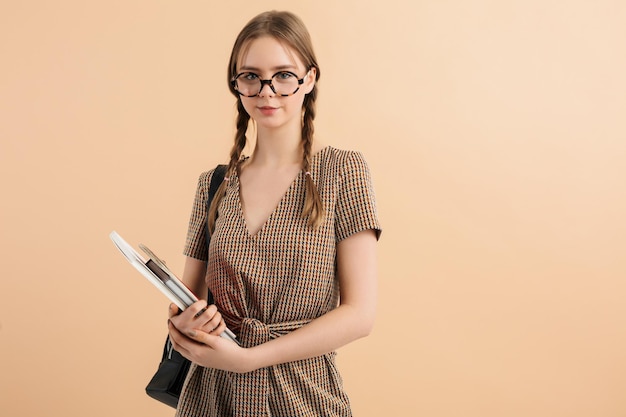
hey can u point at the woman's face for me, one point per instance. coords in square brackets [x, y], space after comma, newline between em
[265, 58]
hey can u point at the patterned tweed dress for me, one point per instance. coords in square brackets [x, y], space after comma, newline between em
[268, 284]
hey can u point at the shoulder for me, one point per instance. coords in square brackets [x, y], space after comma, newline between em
[204, 182]
[344, 161]
[205, 177]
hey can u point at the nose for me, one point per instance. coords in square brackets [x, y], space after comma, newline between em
[270, 89]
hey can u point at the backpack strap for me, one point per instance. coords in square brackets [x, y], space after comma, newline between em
[216, 179]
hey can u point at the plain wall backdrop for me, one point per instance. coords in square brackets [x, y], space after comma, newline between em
[496, 136]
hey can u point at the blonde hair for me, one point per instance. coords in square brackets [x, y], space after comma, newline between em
[289, 29]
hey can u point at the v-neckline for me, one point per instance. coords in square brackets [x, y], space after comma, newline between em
[288, 191]
[268, 219]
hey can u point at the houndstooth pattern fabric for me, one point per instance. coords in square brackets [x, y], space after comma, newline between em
[274, 282]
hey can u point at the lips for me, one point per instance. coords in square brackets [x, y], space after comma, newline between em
[267, 110]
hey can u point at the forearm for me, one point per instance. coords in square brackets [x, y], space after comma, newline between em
[325, 334]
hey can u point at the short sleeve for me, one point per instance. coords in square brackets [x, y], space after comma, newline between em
[355, 209]
[195, 245]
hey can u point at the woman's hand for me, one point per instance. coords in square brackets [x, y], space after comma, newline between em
[195, 335]
[199, 316]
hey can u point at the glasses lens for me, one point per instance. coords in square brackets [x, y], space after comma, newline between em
[248, 84]
[285, 83]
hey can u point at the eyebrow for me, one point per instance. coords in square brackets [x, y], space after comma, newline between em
[277, 68]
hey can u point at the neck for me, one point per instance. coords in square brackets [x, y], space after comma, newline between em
[278, 147]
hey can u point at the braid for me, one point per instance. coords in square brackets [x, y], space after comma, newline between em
[289, 30]
[313, 207]
[235, 154]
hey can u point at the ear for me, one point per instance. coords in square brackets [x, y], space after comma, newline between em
[309, 80]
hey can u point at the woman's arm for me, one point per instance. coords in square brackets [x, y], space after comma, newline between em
[194, 277]
[351, 320]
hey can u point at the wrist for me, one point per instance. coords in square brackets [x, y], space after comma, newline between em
[254, 359]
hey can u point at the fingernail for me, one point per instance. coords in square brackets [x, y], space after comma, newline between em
[192, 333]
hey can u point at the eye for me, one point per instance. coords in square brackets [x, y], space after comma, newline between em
[284, 75]
[249, 76]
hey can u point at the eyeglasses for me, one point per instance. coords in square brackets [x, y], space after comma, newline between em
[283, 83]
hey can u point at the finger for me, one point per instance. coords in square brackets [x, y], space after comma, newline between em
[183, 339]
[200, 312]
[219, 329]
[175, 337]
[196, 309]
[213, 323]
[203, 337]
[173, 310]
[208, 312]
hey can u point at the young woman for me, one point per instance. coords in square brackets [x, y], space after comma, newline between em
[292, 258]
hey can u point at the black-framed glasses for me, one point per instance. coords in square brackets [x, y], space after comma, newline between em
[283, 83]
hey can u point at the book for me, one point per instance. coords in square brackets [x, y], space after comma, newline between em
[155, 271]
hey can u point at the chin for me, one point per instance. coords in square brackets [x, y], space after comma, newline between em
[271, 122]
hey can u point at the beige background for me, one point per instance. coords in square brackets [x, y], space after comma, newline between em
[496, 136]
